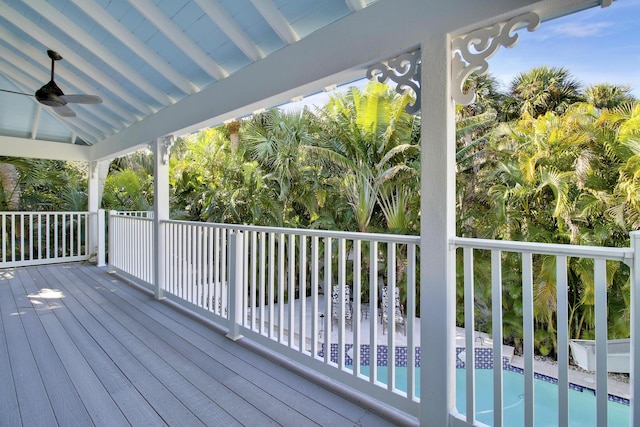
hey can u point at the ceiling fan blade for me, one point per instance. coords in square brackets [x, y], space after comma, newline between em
[17, 93]
[82, 99]
[64, 111]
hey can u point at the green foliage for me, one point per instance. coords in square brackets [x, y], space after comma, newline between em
[49, 185]
[128, 190]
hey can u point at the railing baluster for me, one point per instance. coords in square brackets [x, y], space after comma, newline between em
[327, 287]
[22, 237]
[391, 315]
[315, 332]
[528, 336]
[211, 271]
[602, 397]
[263, 238]
[63, 235]
[373, 305]
[13, 237]
[71, 235]
[563, 340]
[30, 226]
[272, 297]
[302, 290]
[48, 233]
[216, 276]
[411, 316]
[469, 326]
[342, 284]
[291, 260]
[253, 310]
[281, 276]
[356, 314]
[40, 255]
[224, 285]
[496, 319]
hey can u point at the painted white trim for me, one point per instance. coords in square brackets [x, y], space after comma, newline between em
[42, 149]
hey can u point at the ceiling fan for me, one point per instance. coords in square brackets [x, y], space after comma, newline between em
[50, 94]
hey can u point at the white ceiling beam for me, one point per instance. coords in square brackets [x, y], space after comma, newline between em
[330, 53]
[78, 62]
[230, 27]
[82, 37]
[43, 149]
[122, 33]
[276, 20]
[148, 9]
[36, 121]
[356, 5]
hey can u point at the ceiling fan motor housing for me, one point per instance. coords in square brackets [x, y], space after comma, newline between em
[49, 94]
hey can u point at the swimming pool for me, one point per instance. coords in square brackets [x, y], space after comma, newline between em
[582, 405]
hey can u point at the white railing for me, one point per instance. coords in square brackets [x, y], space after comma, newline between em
[286, 278]
[528, 254]
[274, 286]
[131, 243]
[299, 287]
[33, 238]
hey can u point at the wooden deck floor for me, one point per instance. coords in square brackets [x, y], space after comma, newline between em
[78, 347]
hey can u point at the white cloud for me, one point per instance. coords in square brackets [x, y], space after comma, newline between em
[581, 30]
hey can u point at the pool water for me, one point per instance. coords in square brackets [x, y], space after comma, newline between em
[582, 405]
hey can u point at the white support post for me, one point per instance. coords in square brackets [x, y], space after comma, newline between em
[93, 241]
[236, 270]
[635, 329]
[437, 272]
[102, 244]
[161, 148]
[111, 247]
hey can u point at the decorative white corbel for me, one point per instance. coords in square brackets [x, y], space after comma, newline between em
[404, 70]
[471, 51]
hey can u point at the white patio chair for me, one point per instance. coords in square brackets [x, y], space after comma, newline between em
[335, 306]
[399, 316]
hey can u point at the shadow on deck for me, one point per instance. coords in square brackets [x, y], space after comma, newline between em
[78, 346]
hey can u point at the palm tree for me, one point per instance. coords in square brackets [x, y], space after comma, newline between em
[605, 95]
[625, 121]
[275, 140]
[372, 141]
[10, 179]
[544, 89]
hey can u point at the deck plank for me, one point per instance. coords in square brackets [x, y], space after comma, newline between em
[269, 384]
[315, 402]
[64, 398]
[162, 400]
[145, 346]
[204, 372]
[121, 357]
[262, 401]
[33, 402]
[9, 411]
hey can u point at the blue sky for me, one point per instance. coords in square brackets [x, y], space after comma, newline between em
[599, 45]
